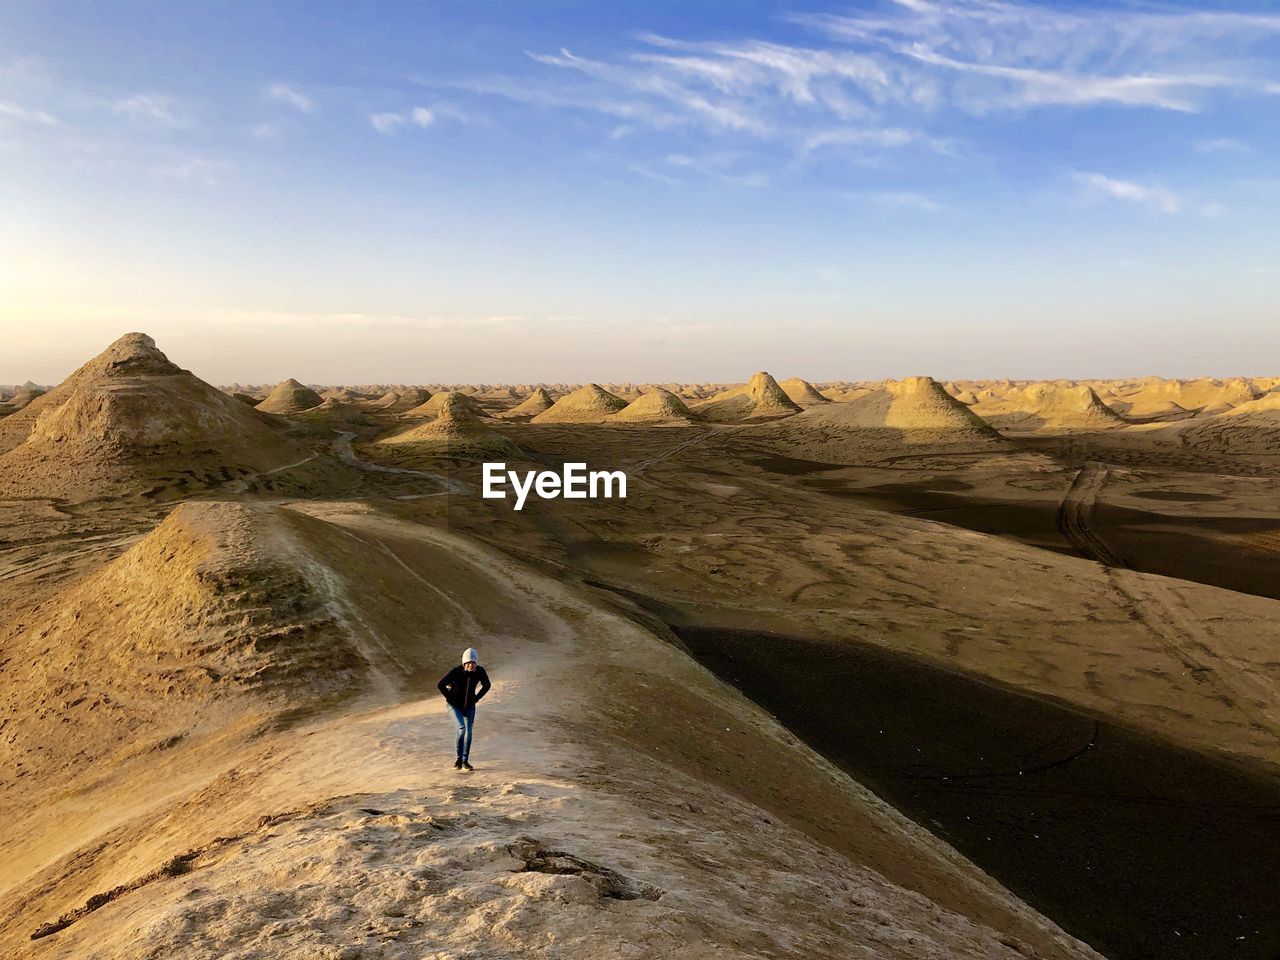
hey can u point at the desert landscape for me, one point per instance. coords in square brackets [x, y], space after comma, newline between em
[892, 669]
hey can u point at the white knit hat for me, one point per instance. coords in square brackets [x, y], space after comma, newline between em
[471, 654]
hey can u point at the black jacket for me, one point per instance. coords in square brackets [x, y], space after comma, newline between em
[462, 688]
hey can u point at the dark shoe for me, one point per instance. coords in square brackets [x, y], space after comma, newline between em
[467, 766]
[457, 764]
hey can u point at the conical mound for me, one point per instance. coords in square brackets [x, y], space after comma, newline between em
[408, 398]
[914, 413]
[129, 421]
[455, 431]
[215, 603]
[759, 398]
[532, 405]
[437, 402]
[802, 393]
[1051, 406]
[290, 396]
[589, 404]
[656, 406]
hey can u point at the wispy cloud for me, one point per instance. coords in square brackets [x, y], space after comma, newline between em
[878, 138]
[657, 84]
[389, 122]
[153, 108]
[12, 111]
[1158, 198]
[202, 170]
[723, 166]
[291, 96]
[1220, 145]
[641, 170]
[994, 54]
[900, 200]
[861, 79]
[265, 131]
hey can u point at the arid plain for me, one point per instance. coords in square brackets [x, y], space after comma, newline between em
[897, 669]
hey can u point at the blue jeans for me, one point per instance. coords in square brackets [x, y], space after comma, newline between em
[466, 720]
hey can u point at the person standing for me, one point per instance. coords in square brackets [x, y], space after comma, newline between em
[462, 688]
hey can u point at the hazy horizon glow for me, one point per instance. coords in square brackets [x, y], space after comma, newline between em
[687, 191]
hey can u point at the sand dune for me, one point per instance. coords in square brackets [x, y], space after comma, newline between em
[535, 403]
[401, 399]
[455, 431]
[911, 413]
[1150, 409]
[1204, 395]
[290, 396]
[128, 419]
[343, 395]
[224, 740]
[656, 406]
[445, 398]
[588, 404]
[1049, 406]
[759, 398]
[214, 603]
[584, 831]
[1249, 429]
[844, 395]
[20, 398]
[802, 393]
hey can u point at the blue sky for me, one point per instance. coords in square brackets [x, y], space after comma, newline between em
[569, 191]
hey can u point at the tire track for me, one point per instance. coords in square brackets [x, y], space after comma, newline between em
[1075, 515]
[1153, 601]
[638, 469]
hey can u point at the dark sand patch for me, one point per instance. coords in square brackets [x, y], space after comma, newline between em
[1138, 847]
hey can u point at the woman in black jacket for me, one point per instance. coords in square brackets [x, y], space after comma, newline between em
[462, 687]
